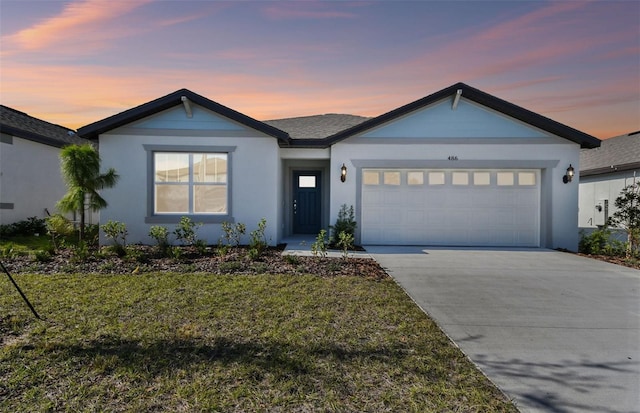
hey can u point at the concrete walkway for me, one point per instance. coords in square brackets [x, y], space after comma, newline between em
[301, 245]
[555, 331]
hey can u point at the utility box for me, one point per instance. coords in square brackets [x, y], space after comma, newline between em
[601, 212]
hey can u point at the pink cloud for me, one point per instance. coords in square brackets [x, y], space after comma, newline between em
[76, 21]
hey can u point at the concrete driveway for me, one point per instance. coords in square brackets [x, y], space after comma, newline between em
[556, 332]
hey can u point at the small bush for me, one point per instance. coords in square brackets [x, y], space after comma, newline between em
[27, 227]
[175, 253]
[346, 223]
[258, 241]
[600, 242]
[80, 252]
[41, 256]
[292, 259]
[201, 246]
[59, 228]
[222, 249]
[319, 247]
[117, 232]
[185, 232]
[233, 233]
[345, 243]
[161, 235]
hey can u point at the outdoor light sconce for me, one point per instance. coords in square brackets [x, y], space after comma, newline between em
[568, 177]
[343, 173]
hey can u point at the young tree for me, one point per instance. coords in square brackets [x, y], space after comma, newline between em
[628, 215]
[80, 165]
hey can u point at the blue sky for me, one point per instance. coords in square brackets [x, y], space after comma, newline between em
[76, 62]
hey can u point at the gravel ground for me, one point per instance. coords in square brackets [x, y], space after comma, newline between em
[141, 259]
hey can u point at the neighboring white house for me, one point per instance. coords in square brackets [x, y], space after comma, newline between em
[457, 168]
[30, 179]
[605, 171]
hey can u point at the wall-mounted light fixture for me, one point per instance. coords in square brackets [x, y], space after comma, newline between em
[343, 173]
[568, 177]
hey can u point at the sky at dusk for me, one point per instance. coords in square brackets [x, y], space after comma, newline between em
[76, 62]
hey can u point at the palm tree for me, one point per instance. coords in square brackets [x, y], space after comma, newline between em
[80, 165]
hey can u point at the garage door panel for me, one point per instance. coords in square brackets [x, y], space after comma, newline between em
[477, 212]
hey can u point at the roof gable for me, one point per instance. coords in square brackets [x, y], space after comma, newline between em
[438, 120]
[176, 98]
[19, 124]
[472, 95]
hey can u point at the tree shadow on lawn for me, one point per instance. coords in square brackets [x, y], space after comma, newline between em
[307, 364]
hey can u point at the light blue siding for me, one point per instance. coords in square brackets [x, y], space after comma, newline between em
[176, 118]
[468, 120]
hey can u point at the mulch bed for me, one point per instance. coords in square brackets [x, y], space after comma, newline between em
[626, 262]
[145, 259]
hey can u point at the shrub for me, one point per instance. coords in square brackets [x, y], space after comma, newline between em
[600, 242]
[161, 235]
[116, 231]
[258, 243]
[627, 216]
[345, 243]
[80, 252]
[346, 223]
[186, 231]
[319, 247]
[41, 256]
[201, 246]
[233, 233]
[28, 227]
[292, 259]
[59, 228]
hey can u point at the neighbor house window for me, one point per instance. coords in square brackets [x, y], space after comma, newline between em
[190, 183]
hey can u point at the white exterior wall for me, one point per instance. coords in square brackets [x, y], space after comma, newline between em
[30, 179]
[597, 188]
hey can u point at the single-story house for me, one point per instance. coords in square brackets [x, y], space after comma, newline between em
[459, 167]
[30, 179]
[604, 172]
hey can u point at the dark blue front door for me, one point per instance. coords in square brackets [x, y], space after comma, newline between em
[306, 202]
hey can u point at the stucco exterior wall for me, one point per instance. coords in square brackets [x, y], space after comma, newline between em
[254, 172]
[559, 201]
[595, 190]
[30, 180]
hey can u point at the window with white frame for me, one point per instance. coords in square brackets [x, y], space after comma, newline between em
[190, 183]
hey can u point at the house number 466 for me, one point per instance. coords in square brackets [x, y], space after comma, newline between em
[453, 158]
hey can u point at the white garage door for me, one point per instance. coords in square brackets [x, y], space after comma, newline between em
[451, 207]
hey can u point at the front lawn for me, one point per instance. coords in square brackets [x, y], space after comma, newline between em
[203, 342]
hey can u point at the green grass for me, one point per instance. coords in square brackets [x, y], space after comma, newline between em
[24, 244]
[197, 342]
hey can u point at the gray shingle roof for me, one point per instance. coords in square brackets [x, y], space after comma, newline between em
[19, 124]
[317, 126]
[614, 154]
